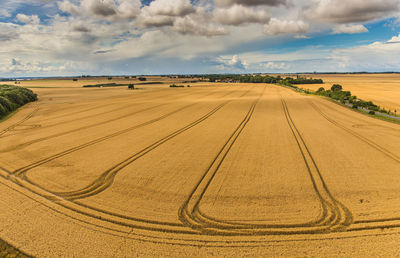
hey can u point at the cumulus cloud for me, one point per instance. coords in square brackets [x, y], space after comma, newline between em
[335, 11]
[145, 20]
[33, 19]
[239, 14]
[235, 63]
[170, 7]
[395, 39]
[68, 7]
[100, 7]
[349, 29]
[188, 25]
[276, 27]
[108, 9]
[276, 66]
[165, 12]
[250, 2]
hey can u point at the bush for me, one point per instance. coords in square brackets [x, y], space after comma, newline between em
[371, 112]
[12, 97]
[336, 87]
[6, 104]
[3, 110]
[355, 106]
[176, 86]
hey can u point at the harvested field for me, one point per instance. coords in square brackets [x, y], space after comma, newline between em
[214, 169]
[382, 89]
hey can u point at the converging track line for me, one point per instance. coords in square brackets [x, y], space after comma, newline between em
[334, 215]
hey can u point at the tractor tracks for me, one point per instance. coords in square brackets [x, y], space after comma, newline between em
[25, 144]
[69, 202]
[334, 216]
[20, 122]
[129, 105]
[107, 178]
[22, 171]
[372, 144]
[365, 224]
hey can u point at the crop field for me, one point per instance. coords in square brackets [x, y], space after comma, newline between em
[214, 169]
[69, 83]
[382, 89]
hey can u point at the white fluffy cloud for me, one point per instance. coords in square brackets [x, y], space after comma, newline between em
[170, 7]
[349, 29]
[276, 27]
[235, 63]
[33, 19]
[395, 39]
[188, 25]
[239, 14]
[165, 13]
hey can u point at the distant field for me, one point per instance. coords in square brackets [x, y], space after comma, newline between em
[382, 89]
[68, 83]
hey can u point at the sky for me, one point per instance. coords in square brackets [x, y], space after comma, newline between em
[132, 37]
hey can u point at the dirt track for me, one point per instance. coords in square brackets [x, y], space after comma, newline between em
[220, 170]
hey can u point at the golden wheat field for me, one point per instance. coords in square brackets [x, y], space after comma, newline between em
[382, 89]
[214, 169]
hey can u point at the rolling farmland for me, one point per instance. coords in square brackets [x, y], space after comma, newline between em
[382, 89]
[214, 169]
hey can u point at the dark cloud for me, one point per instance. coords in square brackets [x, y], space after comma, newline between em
[101, 9]
[81, 28]
[103, 51]
[335, 11]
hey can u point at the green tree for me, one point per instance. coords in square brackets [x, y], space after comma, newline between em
[336, 87]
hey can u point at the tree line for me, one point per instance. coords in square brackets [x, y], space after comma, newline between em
[262, 79]
[13, 97]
